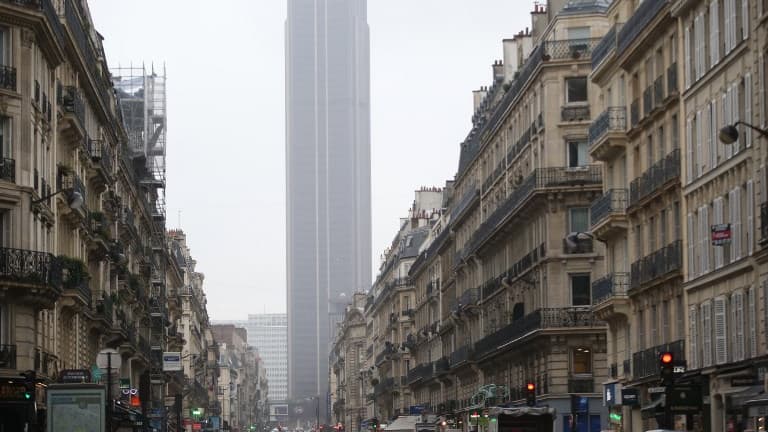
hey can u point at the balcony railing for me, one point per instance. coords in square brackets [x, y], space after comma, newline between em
[606, 46]
[613, 119]
[520, 266]
[634, 112]
[658, 91]
[581, 385]
[29, 267]
[660, 263]
[7, 356]
[569, 49]
[764, 223]
[466, 200]
[672, 79]
[612, 202]
[638, 22]
[646, 363]
[422, 371]
[8, 77]
[540, 178]
[663, 171]
[101, 153]
[442, 365]
[105, 308]
[549, 318]
[461, 355]
[609, 286]
[574, 113]
[469, 297]
[647, 101]
[72, 102]
[581, 246]
[8, 170]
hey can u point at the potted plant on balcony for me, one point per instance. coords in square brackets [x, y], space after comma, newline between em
[74, 271]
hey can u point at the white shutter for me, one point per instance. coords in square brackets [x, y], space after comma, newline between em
[727, 27]
[706, 333]
[727, 113]
[703, 235]
[763, 183]
[734, 25]
[761, 87]
[752, 322]
[717, 218]
[691, 249]
[721, 330]
[689, 149]
[737, 314]
[748, 108]
[693, 337]
[687, 50]
[716, 145]
[736, 115]
[696, 48]
[736, 233]
[750, 209]
[732, 221]
[744, 19]
[714, 33]
[699, 145]
[712, 141]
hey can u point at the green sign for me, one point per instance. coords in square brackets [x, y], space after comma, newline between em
[125, 383]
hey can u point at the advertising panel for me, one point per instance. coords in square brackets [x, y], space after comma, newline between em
[76, 408]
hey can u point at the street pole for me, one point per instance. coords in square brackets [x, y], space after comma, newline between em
[109, 392]
[317, 413]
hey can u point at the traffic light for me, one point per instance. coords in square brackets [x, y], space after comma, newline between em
[30, 381]
[666, 368]
[530, 394]
[374, 424]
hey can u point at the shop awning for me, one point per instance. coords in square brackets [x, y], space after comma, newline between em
[740, 398]
[404, 423]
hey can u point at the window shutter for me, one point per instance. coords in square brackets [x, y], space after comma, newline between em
[691, 250]
[750, 217]
[706, 333]
[727, 26]
[699, 145]
[737, 312]
[689, 149]
[712, 140]
[752, 322]
[703, 235]
[763, 184]
[734, 24]
[693, 337]
[744, 19]
[732, 221]
[714, 33]
[761, 87]
[687, 50]
[727, 113]
[736, 115]
[697, 47]
[721, 330]
[717, 218]
[736, 234]
[748, 109]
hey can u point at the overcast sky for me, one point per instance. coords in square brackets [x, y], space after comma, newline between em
[226, 122]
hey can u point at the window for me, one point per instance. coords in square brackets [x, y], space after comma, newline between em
[576, 89]
[578, 33]
[582, 361]
[578, 219]
[580, 290]
[577, 153]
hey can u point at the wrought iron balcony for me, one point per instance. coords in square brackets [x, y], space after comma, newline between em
[609, 286]
[101, 152]
[542, 319]
[606, 46]
[663, 171]
[519, 267]
[466, 201]
[29, 267]
[420, 372]
[634, 113]
[442, 365]
[613, 119]
[72, 103]
[461, 355]
[645, 363]
[8, 77]
[581, 385]
[574, 113]
[612, 202]
[638, 22]
[469, 297]
[105, 308]
[569, 49]
[7, 356]
[491, 178]
[661, 263]
[8, 170]
[764, 223]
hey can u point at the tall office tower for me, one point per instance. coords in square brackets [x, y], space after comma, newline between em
[328, 178]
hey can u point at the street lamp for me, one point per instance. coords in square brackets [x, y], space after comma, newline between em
[729, 134]
[74, 198]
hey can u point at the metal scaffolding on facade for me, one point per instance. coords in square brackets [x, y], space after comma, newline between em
[142, 102]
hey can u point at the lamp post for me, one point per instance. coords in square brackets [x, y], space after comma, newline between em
[729, 134]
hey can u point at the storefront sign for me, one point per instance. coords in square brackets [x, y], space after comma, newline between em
[12, 392]
[629, 397]
[76, 376]
[744, 381]
[609, 394]
[197, 426]
[721, 234]
[685, 399]
[172, 362]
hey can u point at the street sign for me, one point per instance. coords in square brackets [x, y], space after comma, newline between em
[108, 358]
[75, 376]
[629, 397]
[678, 369]
[172, 362]
[657, 390]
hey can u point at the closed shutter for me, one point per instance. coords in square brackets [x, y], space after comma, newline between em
[752, 322]
[736, 234]
[750, 209]
[717, 218]
[727, 27]
[703, 231]
[748, 109]
[737, 320]
[697, 47]
[744, 19]
[693, 337]
[691, 249]
[721, 330]
[687, 51]
[727, 113]
[736, 115]
[761, 87]
[706, 333]
[732, 221]
[714, 33]
[712, 141]
[689, 149]
[734, 24]
[699, 145]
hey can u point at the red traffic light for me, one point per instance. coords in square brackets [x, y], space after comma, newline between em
[530, 386]
[666, 358]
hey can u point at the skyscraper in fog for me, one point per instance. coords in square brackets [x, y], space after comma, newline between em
[328, 178]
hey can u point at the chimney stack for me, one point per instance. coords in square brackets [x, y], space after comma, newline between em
[539, 20]
[498, 71]
[478, 96]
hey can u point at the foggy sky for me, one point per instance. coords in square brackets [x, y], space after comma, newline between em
[226, 122]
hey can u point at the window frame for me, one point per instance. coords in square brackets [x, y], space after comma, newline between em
[567, 92]
[572, 279]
